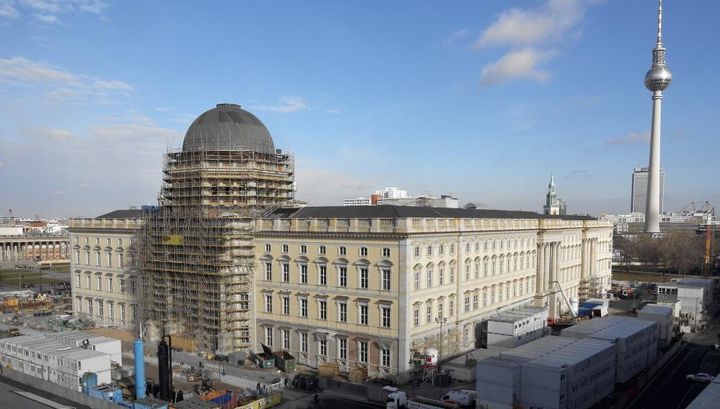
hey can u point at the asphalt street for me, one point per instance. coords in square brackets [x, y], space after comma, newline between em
[9, 399]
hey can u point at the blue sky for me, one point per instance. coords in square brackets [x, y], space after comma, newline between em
[478, 99]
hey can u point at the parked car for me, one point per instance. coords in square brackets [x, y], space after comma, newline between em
[700, 377]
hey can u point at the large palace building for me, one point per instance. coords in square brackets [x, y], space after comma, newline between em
[366, 285]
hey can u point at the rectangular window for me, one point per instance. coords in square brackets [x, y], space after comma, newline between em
[441, 308]
[269, 337]
[386, 279]
[286, 304]
[342, 348]
[322, 250]
[77, 256]
[303, 342]
[363, 277]
[441, 276]
[429, 278]
[322, 347]
[416, 316]
[428, 313]
[111, 311]
[467, 272]
[467, 303]
[110, 284]
[475, 301]
[87, 257]
[417, 280]
[122, 312]
[342, 250]
[385, 358]
[285, 248]
[89, 282]
[363, 314]
[417, 251]
[78, 283]
[99, 283]
[132, 286]
[303, 249]
[268, 270]
[109, 259]
[452, 249]
[97, 258]
[452, 275]
[121, 260]
[385, 316]
[268, 248]
[342, 280]
[362, 352]
[342, 312]
[286, 339]
[363, 251]
[101, 306]
[441, 249]
[322, 274]
[386, 252]
[429, 250]
[286, 272]
[268, 303]
[303, 273]
[304, 307]
[323, 309]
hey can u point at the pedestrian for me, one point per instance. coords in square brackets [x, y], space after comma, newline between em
[286, 382]
[257, 389]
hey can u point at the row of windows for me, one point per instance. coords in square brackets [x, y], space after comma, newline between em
[341, 313]
[321, 347]
[341, 251]
[321, 272]
[99, 286]
[487, 246]
[110, 260]
[107, 241]
[97, 308]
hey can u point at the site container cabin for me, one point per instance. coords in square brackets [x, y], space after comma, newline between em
[517, 327]
[663, 316]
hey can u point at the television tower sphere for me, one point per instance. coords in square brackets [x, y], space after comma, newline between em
[658, 78]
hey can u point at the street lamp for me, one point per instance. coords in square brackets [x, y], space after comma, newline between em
[440, 320]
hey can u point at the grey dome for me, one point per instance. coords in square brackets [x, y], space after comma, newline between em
[228, 127]
[658, 78]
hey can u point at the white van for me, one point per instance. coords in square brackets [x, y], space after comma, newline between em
[462, 397]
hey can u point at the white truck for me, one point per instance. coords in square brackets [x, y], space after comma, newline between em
[463, 397]
[399, 400]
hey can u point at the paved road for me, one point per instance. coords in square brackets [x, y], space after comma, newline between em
[8, 399]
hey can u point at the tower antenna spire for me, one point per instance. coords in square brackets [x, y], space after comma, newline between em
[659, 33]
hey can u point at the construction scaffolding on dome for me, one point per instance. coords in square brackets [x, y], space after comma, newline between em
[196, 249]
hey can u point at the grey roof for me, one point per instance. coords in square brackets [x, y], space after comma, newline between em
[228, 127]
[392, 211]
[122, 214]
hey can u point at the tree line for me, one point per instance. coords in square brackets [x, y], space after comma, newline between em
[675, 252]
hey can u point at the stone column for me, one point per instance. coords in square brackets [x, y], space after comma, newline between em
[548, 255]
[540, 265]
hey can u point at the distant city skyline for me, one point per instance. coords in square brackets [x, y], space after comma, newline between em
[449, 100]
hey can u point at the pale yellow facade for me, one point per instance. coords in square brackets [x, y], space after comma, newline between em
[105, 288]
[461, 269]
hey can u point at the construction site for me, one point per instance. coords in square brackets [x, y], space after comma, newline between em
[196, 258]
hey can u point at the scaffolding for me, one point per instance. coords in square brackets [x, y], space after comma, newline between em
[196, 257]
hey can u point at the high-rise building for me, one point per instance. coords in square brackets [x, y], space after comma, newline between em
[553, 204]
[197, 250]
[638, 197]
[657, 79]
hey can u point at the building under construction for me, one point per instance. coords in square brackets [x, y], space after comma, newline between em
[196, 247]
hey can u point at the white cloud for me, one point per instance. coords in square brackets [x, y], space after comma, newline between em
[47, 18]
[23, 70]
[455, 38]
[54, 85]
[8, 10]
[518, 64]
[127, 133]
[114, 85]
[631, 138]
[532, 36]
[522, 27]
[285, 105]
[42, 135]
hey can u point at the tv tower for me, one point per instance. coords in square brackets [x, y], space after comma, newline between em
[656, 80]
